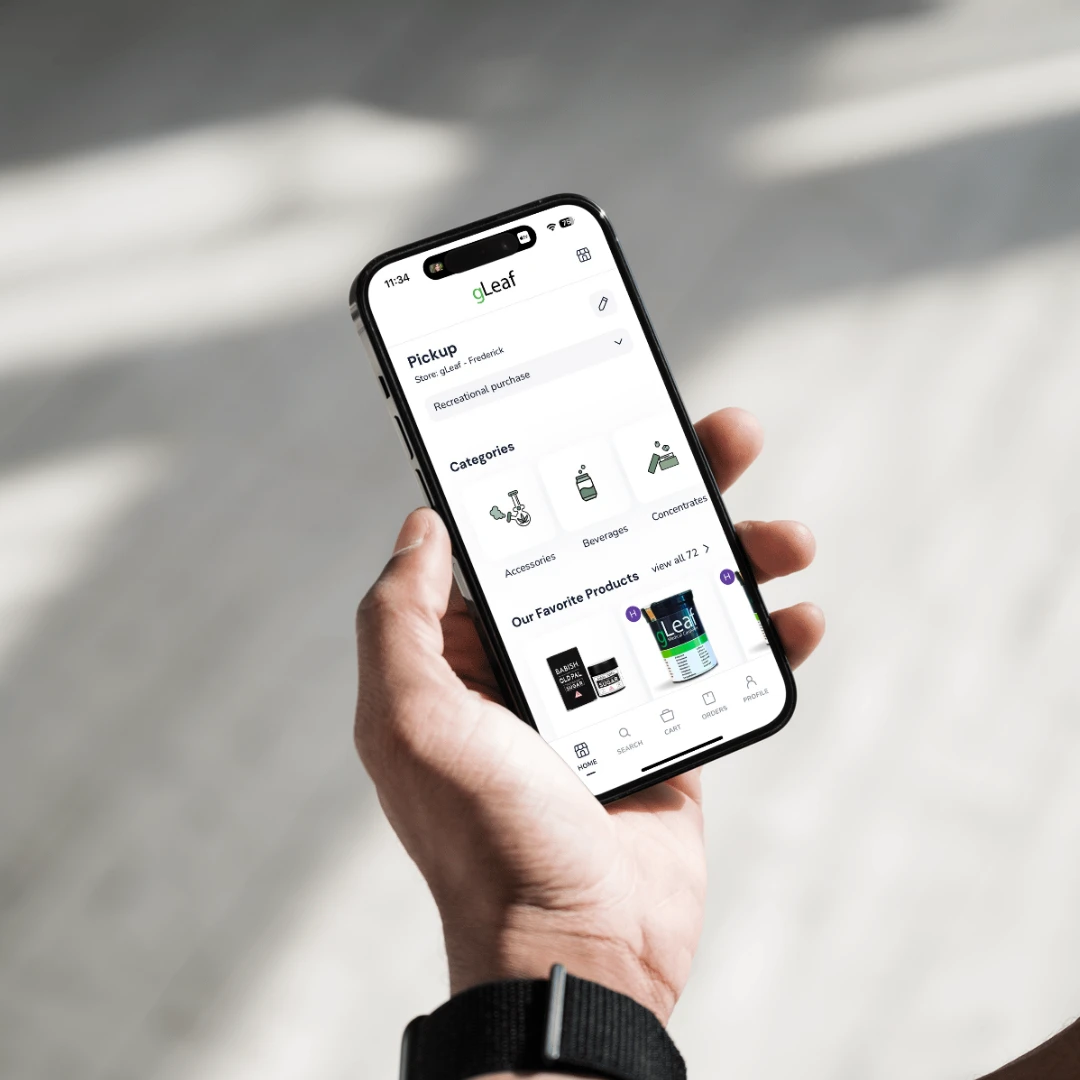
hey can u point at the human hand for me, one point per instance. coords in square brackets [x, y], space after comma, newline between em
[526, 867]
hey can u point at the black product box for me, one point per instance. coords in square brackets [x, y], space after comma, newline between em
[571, 678]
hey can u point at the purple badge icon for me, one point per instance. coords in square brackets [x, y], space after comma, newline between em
[633, 613]
[727, 576]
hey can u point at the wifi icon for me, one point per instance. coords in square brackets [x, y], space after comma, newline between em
[551, 227]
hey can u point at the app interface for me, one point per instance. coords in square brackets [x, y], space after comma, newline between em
[583, 511]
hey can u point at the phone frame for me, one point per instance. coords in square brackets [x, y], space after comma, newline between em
[465, 574]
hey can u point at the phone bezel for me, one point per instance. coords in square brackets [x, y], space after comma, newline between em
[489, 631]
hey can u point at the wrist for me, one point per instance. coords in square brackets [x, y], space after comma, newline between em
[561, 1025]
[530, 942]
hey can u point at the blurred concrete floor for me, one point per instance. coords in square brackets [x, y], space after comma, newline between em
[861, 221]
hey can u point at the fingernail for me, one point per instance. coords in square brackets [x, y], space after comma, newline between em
[413, 533]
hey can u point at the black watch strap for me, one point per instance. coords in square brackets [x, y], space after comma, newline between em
[563, 1024]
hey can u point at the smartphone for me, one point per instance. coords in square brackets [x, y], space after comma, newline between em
[615, 602]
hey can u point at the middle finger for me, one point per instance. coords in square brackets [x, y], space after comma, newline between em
[776, 548]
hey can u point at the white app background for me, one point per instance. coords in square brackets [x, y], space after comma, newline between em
[581, 507]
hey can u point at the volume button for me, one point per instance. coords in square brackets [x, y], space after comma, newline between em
[404, 437]
[423, 488]
[369, 351]
[462, 585]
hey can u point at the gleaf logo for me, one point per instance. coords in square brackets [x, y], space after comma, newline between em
[484, 290]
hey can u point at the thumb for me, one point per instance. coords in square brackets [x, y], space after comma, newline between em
[398, 624]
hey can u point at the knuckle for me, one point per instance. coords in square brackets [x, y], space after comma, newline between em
[390, 728]
[375, 606]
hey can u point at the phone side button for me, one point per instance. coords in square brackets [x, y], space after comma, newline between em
[404, 438]
[385, 388]
[423, 487]
[462, 584]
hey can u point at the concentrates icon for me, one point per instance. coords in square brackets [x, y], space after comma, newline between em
[664, 459]
[516, 514]
[585, 486]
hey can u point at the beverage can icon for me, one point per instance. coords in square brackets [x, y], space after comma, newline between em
[585, 486]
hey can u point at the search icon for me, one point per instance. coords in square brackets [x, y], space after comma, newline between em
[624, 733]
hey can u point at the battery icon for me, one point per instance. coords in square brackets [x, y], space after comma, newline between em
[566, 222]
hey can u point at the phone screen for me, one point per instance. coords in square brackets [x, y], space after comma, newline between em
[578, 499]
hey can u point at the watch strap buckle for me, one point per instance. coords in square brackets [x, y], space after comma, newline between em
[553, 1027]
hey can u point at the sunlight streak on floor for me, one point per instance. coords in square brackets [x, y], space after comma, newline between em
[208, 232]
[53, 516]
[850, 134]
[314, 1000]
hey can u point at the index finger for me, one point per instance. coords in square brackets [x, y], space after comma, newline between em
[732, 439]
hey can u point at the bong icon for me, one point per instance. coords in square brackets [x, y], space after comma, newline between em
[517, 513]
